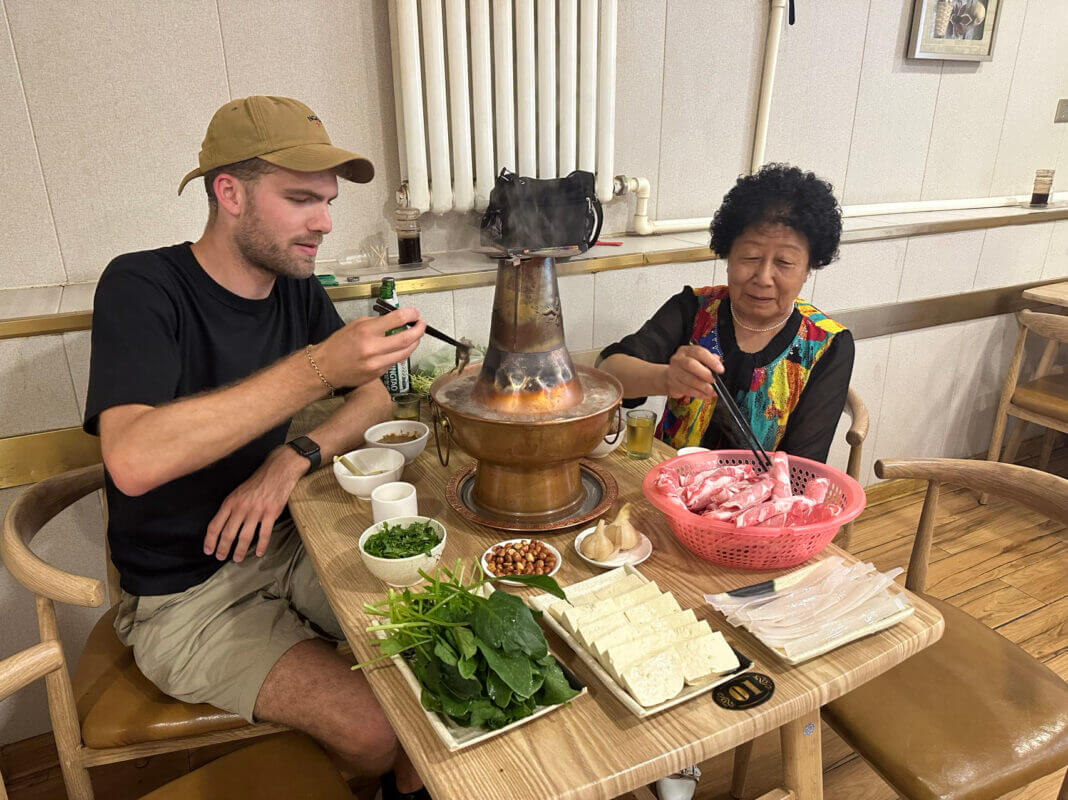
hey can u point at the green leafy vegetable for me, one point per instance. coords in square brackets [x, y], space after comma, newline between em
[397, 541]
[481, 661]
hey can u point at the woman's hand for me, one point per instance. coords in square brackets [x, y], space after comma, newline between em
[689, 372]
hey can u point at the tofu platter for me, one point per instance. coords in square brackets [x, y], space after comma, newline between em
[650, 653]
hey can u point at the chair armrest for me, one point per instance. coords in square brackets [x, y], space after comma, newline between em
[858, 412]
[1041, 491]
[27, 666]
[27, 515]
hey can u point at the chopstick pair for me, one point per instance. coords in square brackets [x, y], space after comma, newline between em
[762, 459]
[382, 307]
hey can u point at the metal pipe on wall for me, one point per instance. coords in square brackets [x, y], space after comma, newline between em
[568, 27]
[526, 135]
[437, 113]
[502, 83]
[606, 100]
[482, 101]
[463, 182]
[588, 87]
[767, 82]
[546, 88]
[412, 101]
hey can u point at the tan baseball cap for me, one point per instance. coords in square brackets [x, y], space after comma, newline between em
[280, 130]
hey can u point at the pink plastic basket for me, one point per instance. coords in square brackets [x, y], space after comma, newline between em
[754, 548]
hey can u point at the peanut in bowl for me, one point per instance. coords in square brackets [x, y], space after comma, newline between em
[520, 557]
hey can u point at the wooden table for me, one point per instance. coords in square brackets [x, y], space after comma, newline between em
[595, 748]
[1054, 293]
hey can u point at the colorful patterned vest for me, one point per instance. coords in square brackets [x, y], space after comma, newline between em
[774, 390]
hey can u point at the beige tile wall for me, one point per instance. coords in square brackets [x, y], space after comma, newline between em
[103, 106]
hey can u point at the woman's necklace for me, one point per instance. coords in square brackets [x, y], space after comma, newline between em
[778, 324]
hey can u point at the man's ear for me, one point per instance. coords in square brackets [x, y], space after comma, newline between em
[230, 193]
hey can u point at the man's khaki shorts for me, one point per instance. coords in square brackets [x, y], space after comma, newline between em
[215, 642]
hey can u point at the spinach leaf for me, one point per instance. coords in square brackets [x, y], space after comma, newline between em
[512, 668]
[483, 712]
[543, 582]
[464, 641]
[555, 688]
[467, 666]
[444, 651]
[505, 621]
[499, 691]
[463, 688]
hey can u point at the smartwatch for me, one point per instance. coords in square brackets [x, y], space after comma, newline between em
[307, 448]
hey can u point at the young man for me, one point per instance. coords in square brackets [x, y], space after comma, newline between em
[201, 354]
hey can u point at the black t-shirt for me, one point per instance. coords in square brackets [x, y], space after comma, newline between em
[811, 425]
[164, 329]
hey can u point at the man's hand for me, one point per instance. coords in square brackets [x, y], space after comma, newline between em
[689, 373]
[361, 351]
[257, 501]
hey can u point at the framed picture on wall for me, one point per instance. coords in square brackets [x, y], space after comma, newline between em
[960, 30]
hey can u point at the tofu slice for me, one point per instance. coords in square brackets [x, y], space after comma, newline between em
[654, 609]
[575, 616]
[618, 658]
[590, 630]
[654, 680]
[617, 636]
[705, 656]
[624, 584]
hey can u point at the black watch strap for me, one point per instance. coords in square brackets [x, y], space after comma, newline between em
[307, 448]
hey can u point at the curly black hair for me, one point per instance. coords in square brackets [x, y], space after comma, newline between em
[783, 194]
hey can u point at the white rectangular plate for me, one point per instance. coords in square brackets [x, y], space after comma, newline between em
[457, 737]
[576, 590]
[893, 589]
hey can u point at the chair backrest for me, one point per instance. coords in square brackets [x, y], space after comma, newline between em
[1040, 491]
[25, 517]
[24, 668]
[1049, 326]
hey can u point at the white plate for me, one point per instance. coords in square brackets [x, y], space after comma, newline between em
[456, 737]
[542, 603]
[507, 582]
[634, 556]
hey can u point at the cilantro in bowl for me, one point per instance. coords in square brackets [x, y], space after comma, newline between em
[402, 541]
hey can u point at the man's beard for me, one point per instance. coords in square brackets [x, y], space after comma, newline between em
[260, 250]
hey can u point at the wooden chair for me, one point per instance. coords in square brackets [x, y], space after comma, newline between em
[108, 711]
[973, 716]
[855, 436]
[1042, 400]
[279, 768]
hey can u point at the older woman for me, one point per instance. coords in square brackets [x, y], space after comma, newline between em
[786, 363]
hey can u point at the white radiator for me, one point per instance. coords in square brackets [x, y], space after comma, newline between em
[529, 85]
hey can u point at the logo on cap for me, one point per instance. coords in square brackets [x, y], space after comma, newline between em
[315, 119]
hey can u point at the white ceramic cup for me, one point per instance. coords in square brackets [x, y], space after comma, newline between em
[395, 499]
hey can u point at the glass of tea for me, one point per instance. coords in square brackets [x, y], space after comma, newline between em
[641, 425]
[406, 405]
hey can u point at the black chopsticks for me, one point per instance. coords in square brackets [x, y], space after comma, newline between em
[741, 422]
[382, 307]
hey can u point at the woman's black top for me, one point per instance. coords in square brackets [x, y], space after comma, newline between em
[810, 427]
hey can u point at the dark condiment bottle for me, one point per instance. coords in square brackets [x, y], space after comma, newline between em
[406, 223]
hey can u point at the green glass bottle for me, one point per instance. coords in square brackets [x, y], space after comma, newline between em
[396, 377]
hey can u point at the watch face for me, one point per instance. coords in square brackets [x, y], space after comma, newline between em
[305, 446]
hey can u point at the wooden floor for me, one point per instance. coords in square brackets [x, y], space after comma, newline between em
[1004, 566]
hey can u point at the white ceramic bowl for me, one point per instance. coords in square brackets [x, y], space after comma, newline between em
[603, 448]
[410, 449]
[402, 571]
[685, 451]
[370, 459]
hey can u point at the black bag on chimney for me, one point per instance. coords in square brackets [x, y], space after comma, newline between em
[528, 214]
